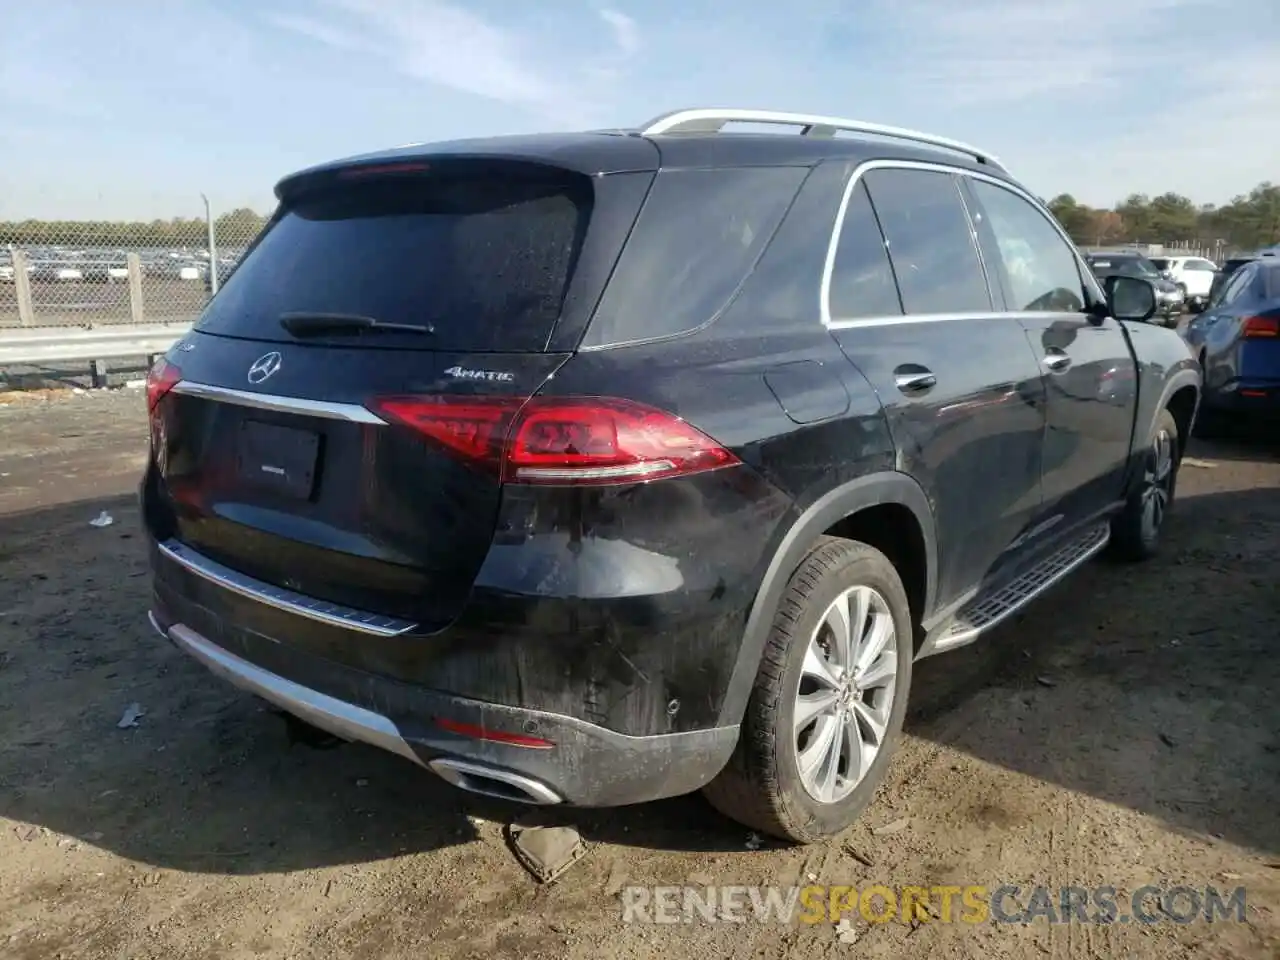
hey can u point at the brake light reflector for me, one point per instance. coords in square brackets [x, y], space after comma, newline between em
[161, 378]
[1261, 327]
[477, 732]
[561, 440]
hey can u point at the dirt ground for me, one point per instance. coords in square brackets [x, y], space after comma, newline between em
[1125, 731]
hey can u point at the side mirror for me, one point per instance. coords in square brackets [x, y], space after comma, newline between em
[1129, 298]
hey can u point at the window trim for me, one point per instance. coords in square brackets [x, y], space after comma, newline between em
[1088, 281]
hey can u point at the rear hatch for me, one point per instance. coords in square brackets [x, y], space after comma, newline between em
[316, 435]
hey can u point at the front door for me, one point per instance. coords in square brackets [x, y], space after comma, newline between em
[1089, 372]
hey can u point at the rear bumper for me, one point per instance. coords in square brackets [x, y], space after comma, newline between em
[1245, 399]
[577, 763]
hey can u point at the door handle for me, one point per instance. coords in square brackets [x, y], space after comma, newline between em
[1056, 362]
[915, 382]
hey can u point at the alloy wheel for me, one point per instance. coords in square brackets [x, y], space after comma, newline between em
[1157, 488]
[845, 694]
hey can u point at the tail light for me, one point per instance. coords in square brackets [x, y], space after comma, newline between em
[161, 378]
[381, 170]
[556, 440]
[1261, 327]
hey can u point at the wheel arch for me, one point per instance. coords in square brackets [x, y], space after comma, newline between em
[1183, 401]
[892, 510]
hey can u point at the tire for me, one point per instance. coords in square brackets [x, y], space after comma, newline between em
[1135, 531]
[762, 787]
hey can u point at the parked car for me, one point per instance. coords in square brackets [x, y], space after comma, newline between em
[1230, 266]
[55, 271]
[105, 271]
[1194, 275]
[595, 468]
[1237, 341]
[1169, 297]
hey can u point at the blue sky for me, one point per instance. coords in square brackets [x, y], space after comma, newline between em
[132, 109]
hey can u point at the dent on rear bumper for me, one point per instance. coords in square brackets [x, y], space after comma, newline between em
[586, 765]
[623, 609]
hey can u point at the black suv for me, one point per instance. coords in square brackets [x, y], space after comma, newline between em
[600, 467]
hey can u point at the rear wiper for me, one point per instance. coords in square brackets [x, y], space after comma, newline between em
[305, 324]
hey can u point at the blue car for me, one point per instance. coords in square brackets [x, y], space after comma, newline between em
[1237, 340]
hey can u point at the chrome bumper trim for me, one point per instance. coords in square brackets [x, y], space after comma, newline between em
[333, 614]
[352, 413]
[342, 719]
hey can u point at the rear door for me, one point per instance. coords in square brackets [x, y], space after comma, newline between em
[1089, 372]
[307, 448]
[909, 304]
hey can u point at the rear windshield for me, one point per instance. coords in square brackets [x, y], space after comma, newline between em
[482, 259]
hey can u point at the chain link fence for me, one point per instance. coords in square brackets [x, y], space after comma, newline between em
[82, 273]
[1216, 250]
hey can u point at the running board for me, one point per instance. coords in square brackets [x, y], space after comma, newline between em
[987, 610]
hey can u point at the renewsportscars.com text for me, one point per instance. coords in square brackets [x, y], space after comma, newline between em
[973, 904]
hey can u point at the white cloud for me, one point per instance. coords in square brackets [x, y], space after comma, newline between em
[625, 31]
[444, 44]
[991, 51]
[1097, 97]
[1219, 142]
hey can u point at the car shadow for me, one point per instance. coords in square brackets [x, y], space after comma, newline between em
[1151, 686]
[209, 779]
[1242, 444]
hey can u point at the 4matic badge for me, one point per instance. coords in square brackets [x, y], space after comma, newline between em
[496, 376]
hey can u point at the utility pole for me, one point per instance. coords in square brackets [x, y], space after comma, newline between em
[213, 247]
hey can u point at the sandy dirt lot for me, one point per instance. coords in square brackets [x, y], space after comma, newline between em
[1125, 731]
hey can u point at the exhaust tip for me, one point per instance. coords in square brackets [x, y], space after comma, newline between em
[492, 782]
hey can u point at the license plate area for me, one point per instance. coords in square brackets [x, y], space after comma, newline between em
[280, 459]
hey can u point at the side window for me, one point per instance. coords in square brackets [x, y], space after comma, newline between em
[1236, 285]
[930, 241]
[1202, 266]
[862, 283]
[1039, 266]
[697, 238]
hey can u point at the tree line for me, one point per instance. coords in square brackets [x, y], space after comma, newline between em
[234, 229]
[1247, 222]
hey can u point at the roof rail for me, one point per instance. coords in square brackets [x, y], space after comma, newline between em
[711, 120]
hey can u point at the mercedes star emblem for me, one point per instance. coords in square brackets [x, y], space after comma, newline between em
[264, 366]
